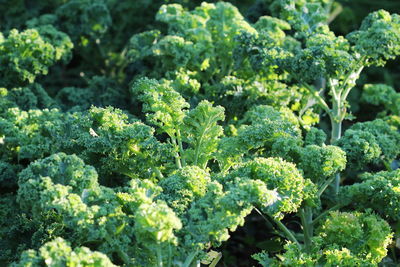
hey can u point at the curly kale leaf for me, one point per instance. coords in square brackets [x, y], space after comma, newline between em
[268, 130]
[210, 29]
[378, 191]
[361, 148]
[260, 113]
[156, 223]
[106, 139]
[383, 96]
[125, 223]
[67, 170]
[378, 38]
[212, 217]
[183, 187]
[366, 235]
[165, 107]
[32, 96]
[202, 132]
[60, 41]
[29, 134]
[26, 55]
[140, 46]
[315, 136]
[84, 19]
[324, 55]
[370, 142]
[344, 239]
[102, 137]
[18, 232]
[305, 16]
[89, 213]
[277, 174]
[60, 253]
[321, 162]
[203, 58]
[8, 174]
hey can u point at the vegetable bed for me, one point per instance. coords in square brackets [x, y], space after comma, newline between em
[185, 133]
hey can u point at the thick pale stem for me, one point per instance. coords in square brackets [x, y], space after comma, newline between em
[309, 217]
[350, 84]
[177, 157]
[334, 13]
[320, 84]
[178, 161]
[179, 138]
[336, 133]
[322, 102]
[337, 183]
[339, 111]
[158, 173]
[197, 150]
[306, 221]
[336, 130]
[265, 218]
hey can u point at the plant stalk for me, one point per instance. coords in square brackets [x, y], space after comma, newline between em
[177, 157]
[306, 221]
[336, 133]
[325, 185]
[287, 232]
[179, 138]
[158, 173]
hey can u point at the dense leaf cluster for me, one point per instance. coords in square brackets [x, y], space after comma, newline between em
[145, 133]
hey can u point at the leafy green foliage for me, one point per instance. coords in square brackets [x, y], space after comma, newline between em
[25, 55]
[321, 162]
[183, 187]
[306, 16]
[291, 187]
[268, 128]
[156, 223]
[202, 132]
[92, 17]
[16, 229]
[344, 239]
[105, 138]
[100, 92]
[167, 106]
[369, 234]
[68, 171]
[199, 56]
[32, 96]
[227, 213]
[59, 253]
[369, 41]
[241, 109]
[315, 137]
[27, 134]
[382, 95]
[377, 191]
[370, 142]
